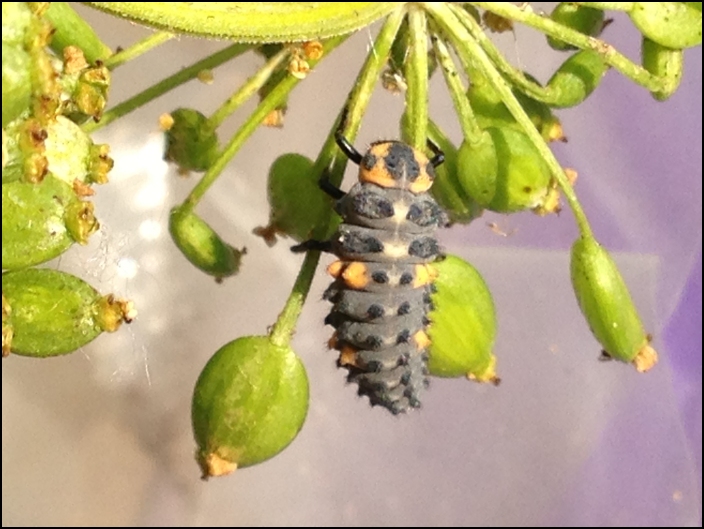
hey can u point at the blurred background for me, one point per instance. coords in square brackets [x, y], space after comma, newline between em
[103, 436]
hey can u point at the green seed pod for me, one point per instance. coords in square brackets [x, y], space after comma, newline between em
[16, 81]
[576, 78]
[50, 313]
[446, 187]
[463, 323]
[17, 18]
[191, 142]
[249, 403]
[84, 88]
[68, 150]
[586, 20]
[607, 305]
[297, 205]
[665, 63]
[25, 151]
[674, 25]
[72, 30]
[520, 178]
[202, 246]
[490, 111]
[40, 221]
[477, 169]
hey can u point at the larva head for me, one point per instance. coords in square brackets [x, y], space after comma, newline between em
[394, 164]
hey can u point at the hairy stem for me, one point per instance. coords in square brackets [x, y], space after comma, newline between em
[139, 48]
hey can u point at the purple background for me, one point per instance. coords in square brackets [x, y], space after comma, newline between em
[103, 436]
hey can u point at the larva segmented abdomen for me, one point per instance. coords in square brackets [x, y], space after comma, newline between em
[381, 294]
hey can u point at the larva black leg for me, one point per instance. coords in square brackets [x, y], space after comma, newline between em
[312, 244]
[329, 188]
[345, 146]
[439, 155]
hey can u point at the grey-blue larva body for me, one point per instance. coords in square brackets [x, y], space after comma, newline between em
[383, 281]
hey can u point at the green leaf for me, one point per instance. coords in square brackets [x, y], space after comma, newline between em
[254, 21]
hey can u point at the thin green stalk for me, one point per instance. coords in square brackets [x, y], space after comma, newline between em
[611, 56]
[249, 88]
[470, 128]
[270, 102]
[171, 82]
[609, 6]
[416, 116]
[460, 37]
[71, 30]
[357, 101]
[139, 48]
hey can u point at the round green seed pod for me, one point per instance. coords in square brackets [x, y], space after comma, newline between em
[249, 403]
[297, 205]
[50, 313]
[576, 78]
[67, 150]
[490, 111]
[586, 20]
[191, 141]
[40, 221]
[674, 25]
[16, 81]
[202, 246]
[463, 323]
[666, 63]
[446, 187]
[520, 179]
[607, 305]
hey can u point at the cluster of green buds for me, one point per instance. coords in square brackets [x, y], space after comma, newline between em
[49, 165]
[251, 399]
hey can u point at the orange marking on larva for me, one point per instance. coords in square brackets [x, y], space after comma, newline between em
[332, 342]
[424, 275]
[356, 275]
[378, 175]
[348, 356]
[422, 340]
[421, 184]
[335, 269]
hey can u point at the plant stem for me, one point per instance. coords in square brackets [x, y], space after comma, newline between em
[609, 6]
[357, 101]
[470, 128]
[134, 51]
[71, 30]
[444, 17]
[613, 58]
[416, 115]
[269, 103]
[171, 82]
[248, 89]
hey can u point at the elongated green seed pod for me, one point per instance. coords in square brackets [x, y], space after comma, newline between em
[463, 323]
[577, 78]
[607, 305]
[191, 141]
[297, 205]
[49, 313]
[664, 62]
[202, 246]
